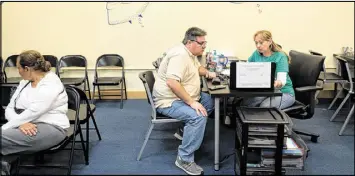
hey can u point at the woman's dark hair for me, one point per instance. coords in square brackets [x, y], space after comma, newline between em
[35, 60]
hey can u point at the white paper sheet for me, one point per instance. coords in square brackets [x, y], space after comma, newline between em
[253, 75]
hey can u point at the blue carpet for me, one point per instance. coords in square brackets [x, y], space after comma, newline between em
[123, 132]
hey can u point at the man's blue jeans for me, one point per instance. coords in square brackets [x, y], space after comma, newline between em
[194, 129]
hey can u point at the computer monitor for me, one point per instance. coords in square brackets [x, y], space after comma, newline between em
[257, 76]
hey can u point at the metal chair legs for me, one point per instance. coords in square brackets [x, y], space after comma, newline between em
[340, 106]
[335, 99]
[145, 141]
[351, 113]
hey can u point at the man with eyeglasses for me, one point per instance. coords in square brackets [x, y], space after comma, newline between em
[177, 94]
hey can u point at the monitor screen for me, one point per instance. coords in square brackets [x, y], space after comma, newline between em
[252, 75]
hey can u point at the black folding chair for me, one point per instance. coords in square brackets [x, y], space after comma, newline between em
[11, 63]
[53, 60]
[86, 112]
[328, 78]
[110, 60]
[348, 86]
[74, 61]
[148, 80]
[74, 105]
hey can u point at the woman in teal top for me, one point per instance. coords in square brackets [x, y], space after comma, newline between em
[269, 51]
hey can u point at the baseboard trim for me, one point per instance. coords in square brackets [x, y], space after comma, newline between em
[324, 94]
[112, 93]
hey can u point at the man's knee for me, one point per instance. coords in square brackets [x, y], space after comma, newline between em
[198, 120]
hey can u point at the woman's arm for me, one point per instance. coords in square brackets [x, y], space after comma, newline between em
[282, 71]
[45, 95]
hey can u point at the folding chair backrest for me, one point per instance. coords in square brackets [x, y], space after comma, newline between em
[148, 80]
[109, 60]
[73, 102]
[72, 61]
[51, 59]
[82, 95]
[345, 71]
[10, 61]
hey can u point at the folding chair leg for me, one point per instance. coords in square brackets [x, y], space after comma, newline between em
[87, 142]
[125, 88]
[93, 94]
[82, 144]
[121, 96]
[94, 121]
[145, 141]
[335, 99]
[87, 82]
[98, 89]
[71, 155]
[347, 120]
[17, 169]
[341, 105]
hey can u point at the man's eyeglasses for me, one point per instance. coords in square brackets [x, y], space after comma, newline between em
[203, 43]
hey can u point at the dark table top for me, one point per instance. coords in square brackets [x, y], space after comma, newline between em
[226, 92]
[9, 84]
[350, 59]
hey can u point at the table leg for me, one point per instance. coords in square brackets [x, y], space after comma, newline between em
[216, 134]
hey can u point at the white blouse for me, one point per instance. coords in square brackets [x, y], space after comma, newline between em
[47, 102]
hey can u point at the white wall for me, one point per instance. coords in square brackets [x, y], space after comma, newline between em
[62, 28]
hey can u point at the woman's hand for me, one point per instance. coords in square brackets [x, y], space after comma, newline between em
[277, 84]
[29, 129]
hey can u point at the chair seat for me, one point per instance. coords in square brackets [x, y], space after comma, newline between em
[13, 80]
[72, 81]
[295, 107]
[70, 132]
[161, 116]
[164, 119]
[108, 81]
[330, 77]
[82, 113]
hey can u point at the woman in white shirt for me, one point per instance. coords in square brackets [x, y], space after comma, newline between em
[37, 110]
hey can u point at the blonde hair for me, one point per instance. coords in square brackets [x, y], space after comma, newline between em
[274, 47]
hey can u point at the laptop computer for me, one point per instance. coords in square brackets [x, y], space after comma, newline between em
[252, 76]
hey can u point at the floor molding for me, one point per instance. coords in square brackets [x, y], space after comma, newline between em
[325, 94]
[112, 93]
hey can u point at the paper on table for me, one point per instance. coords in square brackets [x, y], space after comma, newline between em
[253, 75]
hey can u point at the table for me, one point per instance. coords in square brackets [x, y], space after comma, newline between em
[349, 59]
[224, 93]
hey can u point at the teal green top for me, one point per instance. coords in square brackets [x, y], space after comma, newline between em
[281, 66]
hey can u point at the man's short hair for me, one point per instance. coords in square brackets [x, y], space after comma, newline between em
[192, 33]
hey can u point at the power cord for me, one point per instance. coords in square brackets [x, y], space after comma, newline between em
[227, 156]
